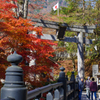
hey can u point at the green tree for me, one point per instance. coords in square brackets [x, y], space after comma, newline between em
[83, 12]
[71, 6]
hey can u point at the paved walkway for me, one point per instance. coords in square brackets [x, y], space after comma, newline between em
[85, 98]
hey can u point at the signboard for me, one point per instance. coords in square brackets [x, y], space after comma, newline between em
[94, 70]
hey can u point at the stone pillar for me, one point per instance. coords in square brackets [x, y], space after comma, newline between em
[14, 86]
[62, 78]
[73, 85]
[80, 56]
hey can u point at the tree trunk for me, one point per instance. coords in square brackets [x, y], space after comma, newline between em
[14, 9]
[73, 61]
[83, 9]
[26, 8]
[98, 9]
[21, 8]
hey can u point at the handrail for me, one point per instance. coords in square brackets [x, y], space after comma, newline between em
[68, 93]
[8, 98]
[33, 93]
[69, 82]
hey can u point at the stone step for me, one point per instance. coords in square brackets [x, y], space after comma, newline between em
[84, 97]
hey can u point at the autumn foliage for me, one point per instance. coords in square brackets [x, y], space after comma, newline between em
[14, 37]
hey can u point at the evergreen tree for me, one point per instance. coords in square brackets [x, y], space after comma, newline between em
[84, 12]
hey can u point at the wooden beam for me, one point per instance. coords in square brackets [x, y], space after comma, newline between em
[66, 39]
[87, 41]
[54, 38]
[55, 25]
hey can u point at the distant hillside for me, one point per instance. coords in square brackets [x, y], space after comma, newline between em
[48, 4]
[61, 2]
[51, 3]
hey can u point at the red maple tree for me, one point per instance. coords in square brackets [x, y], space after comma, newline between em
[14, 37]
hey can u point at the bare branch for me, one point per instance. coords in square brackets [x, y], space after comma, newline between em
[3, 37]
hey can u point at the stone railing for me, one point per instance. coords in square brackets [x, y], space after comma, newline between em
[14, 87]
